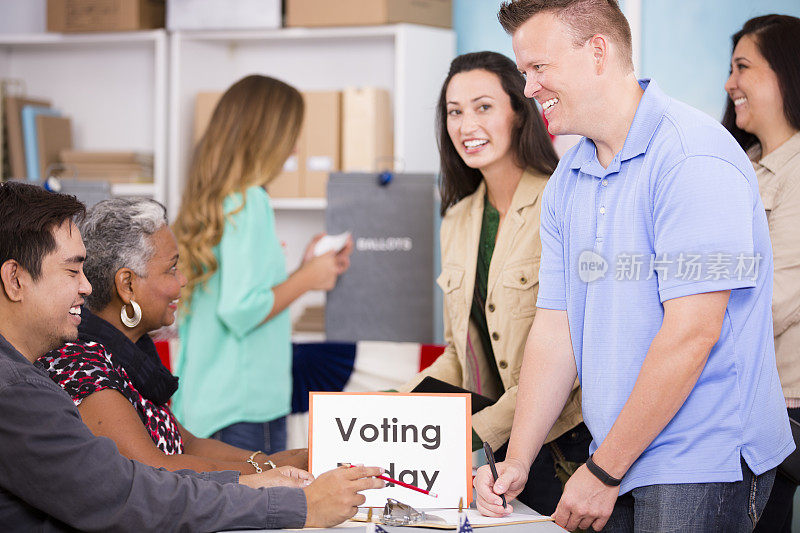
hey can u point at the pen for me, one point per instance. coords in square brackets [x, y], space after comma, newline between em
[396, 482]
[490, 458]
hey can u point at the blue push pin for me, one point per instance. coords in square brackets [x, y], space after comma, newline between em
[384, 178]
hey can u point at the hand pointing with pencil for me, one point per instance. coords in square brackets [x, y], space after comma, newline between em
[401, 484]
[335, 495]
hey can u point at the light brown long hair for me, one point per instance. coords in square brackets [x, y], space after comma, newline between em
[252, 132]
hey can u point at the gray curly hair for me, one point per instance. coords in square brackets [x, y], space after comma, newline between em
[117, 233]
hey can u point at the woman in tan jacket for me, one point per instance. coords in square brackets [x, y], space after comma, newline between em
[763, 114]
[496, 157]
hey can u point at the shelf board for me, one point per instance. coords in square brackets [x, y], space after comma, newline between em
[34, 39]
[299, 204]
[279, 34]
[308, 336]
[133, 189]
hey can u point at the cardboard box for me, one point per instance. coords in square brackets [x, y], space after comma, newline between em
[286, 185]
[289, 183]
[109, 166]
[53, 135]
[318, 150]
[12, 110]
[223, 15]
[204, 105]
[110, 173]
[106, 157]
[368, 12]
[71, 16]
[322, 138]
[28, 16]
[367, 130]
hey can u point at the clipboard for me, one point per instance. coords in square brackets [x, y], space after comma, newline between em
[448, 519]
[431, 384]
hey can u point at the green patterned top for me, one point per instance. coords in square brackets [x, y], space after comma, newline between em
[491, 222]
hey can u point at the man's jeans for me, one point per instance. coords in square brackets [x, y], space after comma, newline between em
[702, 507]
[269, 437]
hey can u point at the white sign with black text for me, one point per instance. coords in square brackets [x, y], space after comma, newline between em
[421, 439]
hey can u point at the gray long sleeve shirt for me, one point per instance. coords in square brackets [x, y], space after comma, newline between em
[55, 475]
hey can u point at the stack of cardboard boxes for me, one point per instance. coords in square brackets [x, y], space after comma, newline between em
[348, 131]
[368, 12]
[113, 167]
[78, 16]
[70, 16]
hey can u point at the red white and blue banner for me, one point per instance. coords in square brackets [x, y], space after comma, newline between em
[352, 367]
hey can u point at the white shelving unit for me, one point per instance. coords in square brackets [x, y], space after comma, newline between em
[411, 61]
[299, 204]
[112, 85]
[136, 91]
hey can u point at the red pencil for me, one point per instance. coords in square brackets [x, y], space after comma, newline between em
[406, 485]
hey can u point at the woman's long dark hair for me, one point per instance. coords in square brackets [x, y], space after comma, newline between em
[529, 140]
[778, 40]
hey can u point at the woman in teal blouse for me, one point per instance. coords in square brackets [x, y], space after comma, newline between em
[235, 357]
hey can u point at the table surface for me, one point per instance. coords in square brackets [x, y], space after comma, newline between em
[535, 527]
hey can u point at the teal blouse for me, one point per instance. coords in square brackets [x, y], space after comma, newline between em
[233, 368]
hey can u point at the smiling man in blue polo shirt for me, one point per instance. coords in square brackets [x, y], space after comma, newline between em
[654, 290]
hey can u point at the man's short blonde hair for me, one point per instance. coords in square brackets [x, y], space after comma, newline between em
[585, 18]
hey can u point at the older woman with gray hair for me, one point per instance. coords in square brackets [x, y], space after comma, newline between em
[113, 372]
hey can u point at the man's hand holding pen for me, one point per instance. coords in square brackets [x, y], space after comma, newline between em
[512, 476]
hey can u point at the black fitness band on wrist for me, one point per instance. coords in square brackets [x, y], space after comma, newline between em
[601, 474]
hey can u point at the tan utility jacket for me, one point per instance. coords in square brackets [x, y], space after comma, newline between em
[779, 183]
[510, 306]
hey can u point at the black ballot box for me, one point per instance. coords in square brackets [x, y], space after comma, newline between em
[388, 292]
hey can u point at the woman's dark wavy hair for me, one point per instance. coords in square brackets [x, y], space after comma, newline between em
[529, 140]
[778, 40]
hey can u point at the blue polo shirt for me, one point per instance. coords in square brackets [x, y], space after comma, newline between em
[676, 213]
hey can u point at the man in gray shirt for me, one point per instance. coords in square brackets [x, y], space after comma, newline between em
[55, 475]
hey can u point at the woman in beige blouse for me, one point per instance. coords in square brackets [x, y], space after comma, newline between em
[763, 115]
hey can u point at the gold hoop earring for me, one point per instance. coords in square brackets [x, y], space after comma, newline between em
[133, 321]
